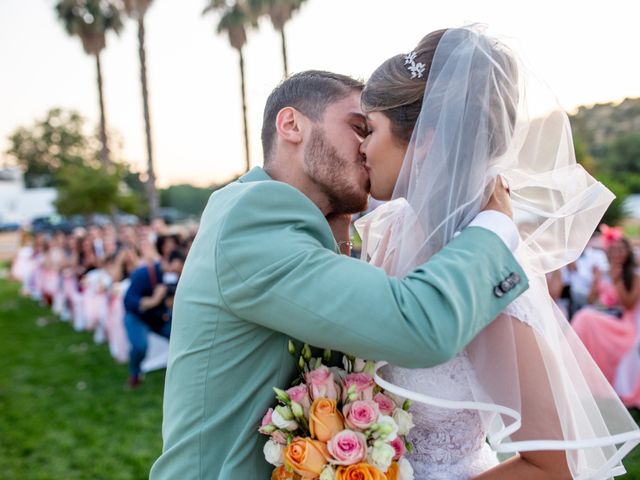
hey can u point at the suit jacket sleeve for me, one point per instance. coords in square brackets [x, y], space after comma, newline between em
[277, 267]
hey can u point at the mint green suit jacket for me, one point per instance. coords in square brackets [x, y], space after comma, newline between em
[263, 268]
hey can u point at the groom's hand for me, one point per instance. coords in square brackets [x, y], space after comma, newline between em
[500, 200]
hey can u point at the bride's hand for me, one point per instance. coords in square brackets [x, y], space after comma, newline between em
[500, 200]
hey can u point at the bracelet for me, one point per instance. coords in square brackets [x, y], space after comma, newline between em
[348, 243]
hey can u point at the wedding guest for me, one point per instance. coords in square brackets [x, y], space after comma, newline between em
[87, 257]
[147, 305]
[165, 244]
[580, 274]
[608, 327]
[22, 262]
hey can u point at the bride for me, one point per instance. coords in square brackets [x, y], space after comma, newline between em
[444, 121]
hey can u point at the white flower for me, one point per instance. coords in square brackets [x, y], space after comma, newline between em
[281, 422]
[359, 364]
[346, 364]
[381, 456]
[284, 412]
[388, 428]
[404, 420]
[273, 453]
[329, 473]
[406, 470]
[297, 410]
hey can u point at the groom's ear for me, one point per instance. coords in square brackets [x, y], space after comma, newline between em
[290, 125]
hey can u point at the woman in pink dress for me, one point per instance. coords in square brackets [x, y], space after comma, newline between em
[608, 326]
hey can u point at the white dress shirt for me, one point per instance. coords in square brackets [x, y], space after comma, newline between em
[500, 224]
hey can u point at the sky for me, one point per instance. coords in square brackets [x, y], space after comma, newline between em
[586, 52]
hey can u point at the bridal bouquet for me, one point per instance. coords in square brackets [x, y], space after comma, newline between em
[336, 424]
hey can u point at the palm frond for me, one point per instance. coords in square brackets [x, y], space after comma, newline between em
[213, 5]
[90, 20]
[234, 21]
[279, 11]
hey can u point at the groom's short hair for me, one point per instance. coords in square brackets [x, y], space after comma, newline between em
[309, 92]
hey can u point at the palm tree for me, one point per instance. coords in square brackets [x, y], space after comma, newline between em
[280, 12]
[234, 19]
[137, 9]
[91, 20]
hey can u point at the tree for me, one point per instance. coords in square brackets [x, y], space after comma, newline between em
[616, 212]
[85, 189]
[189, 199]
[280, 12]
[234, 19]
[56, 141]
[137, 10]
[57, 152]
[582, 155]
[622, 155]
[186, 198]
[90, 20]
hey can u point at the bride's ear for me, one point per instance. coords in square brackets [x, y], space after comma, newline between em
[290, 125]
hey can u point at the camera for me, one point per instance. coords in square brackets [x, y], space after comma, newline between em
[170, 279]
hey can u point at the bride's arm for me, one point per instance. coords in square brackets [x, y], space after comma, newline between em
[542, 465]
[628, 298]
[539, 415]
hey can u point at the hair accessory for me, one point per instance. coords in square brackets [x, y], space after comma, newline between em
[610, 235]
[416, 69]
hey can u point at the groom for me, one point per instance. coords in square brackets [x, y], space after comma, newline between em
[265, 267]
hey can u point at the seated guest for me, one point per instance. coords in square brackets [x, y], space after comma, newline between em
[608, 326]
[579, 274]
[147, 305]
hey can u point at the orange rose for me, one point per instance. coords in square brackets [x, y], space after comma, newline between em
[281, 473]
[360, 471]
[324, 419]
[307, 457]
[394, 471]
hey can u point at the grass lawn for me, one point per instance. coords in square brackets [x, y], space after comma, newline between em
[64, 412]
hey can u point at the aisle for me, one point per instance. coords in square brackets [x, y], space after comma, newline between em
[64, 413]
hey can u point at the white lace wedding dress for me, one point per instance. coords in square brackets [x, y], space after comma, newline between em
[448, 444]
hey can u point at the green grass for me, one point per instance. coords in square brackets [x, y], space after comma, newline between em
[632, 461]
[64, 412]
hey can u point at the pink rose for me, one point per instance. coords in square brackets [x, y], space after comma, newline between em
[279, 437]
[361, 414]
[266, 421]
[321, 383]
[347, 447]
[300, 395]
[386, 405]
[364, 386]
[399, 447]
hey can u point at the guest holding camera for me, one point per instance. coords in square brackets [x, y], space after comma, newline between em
[148, 304]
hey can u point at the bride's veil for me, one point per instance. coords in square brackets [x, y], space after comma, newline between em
[483, 114]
